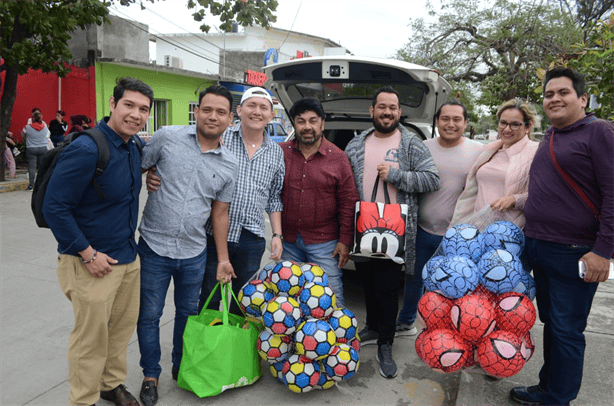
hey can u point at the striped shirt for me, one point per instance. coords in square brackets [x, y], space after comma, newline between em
[258, 186]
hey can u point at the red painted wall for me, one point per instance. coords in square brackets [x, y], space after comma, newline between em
[38, 89]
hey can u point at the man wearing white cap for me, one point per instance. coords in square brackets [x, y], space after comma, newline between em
[260, 178]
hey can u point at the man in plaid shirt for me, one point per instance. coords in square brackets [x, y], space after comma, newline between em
[260, 179]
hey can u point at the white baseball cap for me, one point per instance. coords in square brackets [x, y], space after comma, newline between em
[256, 92]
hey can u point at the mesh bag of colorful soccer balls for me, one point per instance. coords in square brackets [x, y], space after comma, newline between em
[308, 341]
[477, 310]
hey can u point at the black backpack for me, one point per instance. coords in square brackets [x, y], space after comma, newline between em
[50, 159]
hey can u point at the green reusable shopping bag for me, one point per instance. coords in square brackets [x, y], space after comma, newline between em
[219, 349]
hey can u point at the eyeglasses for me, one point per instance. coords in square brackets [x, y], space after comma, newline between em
[513, 126]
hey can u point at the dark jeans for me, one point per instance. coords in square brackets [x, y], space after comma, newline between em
[35, 158]
[156, 274]
[56, 139]
[380, 278]
[245, 257]
[564, 303]
[426, 245]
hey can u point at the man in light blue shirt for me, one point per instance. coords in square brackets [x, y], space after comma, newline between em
[198, 177]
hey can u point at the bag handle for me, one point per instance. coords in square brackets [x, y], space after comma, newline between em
[576, 188]
[374, 194]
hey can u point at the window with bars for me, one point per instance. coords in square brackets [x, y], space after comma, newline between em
[158, 118]
[191, 118]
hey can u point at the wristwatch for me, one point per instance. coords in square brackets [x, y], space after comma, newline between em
[281, 237]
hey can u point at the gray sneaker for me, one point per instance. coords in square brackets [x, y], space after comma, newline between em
[368, 336]
[387, 366]
[405, 329]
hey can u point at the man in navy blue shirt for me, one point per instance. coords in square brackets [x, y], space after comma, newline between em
[98, 268]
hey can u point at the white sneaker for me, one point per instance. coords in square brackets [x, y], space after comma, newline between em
[405, 329]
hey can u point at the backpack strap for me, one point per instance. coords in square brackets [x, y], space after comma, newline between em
[103, 154]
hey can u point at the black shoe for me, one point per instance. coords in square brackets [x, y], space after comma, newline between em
[175, 373]
[120, 396]
[149, 393]
[368, 336]
[387, 366]
[529, 395]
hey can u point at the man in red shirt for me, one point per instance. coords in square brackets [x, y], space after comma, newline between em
[319, 196]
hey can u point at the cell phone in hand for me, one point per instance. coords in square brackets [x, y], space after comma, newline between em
[582, 270]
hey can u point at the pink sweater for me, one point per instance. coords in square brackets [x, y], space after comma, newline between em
[516, 181]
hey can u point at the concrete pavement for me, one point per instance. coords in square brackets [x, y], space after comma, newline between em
[37, 320]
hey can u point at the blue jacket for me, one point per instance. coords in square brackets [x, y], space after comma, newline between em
[77, 216]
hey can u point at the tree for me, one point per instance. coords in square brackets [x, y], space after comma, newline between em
[495, 50]
[594, 57]
[34, 36]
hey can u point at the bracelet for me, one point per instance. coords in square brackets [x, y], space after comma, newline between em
[222, 263]
[91, 259]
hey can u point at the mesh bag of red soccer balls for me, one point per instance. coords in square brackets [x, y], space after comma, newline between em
[308, 341]
[478, 308]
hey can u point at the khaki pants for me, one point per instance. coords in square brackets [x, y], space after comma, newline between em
[106, 311]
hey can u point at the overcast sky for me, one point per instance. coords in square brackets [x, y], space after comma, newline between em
[374, 28]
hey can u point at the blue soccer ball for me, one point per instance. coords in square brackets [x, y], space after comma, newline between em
[265, 273]
[503, 235]
[429, 270]
[500, 271]
[314, 273]
[456, 276]
[526, 286]
[463, 239]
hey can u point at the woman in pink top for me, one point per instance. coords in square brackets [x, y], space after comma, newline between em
[500, 175]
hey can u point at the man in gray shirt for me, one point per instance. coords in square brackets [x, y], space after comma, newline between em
[198, 177]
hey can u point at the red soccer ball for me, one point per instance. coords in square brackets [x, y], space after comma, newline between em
[486, 294]
[527, 345]
[499, 354]
[434, 311]
[515, 312]
[472, 317]
[443, 350]
[420, 342]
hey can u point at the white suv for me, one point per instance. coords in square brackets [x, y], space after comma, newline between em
[345, 85]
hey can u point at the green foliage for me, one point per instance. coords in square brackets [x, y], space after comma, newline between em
[595, 59]
[34, 33]
[496, 47]
[244, 12]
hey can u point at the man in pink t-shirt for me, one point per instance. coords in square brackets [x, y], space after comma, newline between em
[454, 155]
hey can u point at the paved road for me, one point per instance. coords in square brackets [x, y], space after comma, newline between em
[37, 320]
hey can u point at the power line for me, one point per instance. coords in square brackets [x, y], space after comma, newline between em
[292, 26]
[183, 47]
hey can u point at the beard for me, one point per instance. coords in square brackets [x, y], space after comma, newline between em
[303, 140]
[385, 129]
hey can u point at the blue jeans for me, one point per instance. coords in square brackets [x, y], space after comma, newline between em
[320, 254]
[156, 273]
[426, 245]
[564, 302]
[245, 257]
[35, 158]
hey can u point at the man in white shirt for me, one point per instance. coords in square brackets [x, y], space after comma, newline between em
[454, 155]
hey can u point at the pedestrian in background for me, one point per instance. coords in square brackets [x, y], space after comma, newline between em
[8, 155]
[76, 124]
[57, 128]
[564, 228]
[399, 158]
[98, 267]
[36, 145]
[319, 196]
[454, 155]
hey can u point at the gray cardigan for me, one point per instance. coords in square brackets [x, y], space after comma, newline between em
[417, 173]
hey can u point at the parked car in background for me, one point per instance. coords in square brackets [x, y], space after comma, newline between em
[345, 85]
[277, 132]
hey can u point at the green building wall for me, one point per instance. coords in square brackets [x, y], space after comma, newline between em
[178, 90]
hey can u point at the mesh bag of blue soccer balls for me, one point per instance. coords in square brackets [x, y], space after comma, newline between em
[477, 310]
[308, 341]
